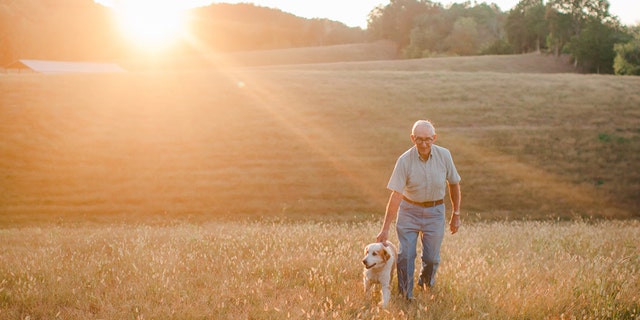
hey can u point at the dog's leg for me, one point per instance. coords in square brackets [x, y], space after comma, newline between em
[367, 284]
[386, 294]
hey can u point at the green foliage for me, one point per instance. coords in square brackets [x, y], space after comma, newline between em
[498, 47]
[593, 49]
[582, 10]
[526, 26]
[627, 60]
[608, 138]
[428, 35]
[463, 38]
[593, 33]
[560, 30]
[582, 28]
[396, 20]
[460, 29]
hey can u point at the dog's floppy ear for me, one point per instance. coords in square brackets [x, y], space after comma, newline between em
[385, 255]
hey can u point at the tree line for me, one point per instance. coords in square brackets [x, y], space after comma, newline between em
[583, 29]
[83, 30]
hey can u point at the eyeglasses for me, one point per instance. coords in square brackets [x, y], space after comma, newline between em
[420, 140]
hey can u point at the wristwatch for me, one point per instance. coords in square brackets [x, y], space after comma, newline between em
[456, 213]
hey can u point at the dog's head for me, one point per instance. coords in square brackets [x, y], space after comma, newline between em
[375, 255]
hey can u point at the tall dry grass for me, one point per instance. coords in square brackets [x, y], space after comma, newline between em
[274, 269]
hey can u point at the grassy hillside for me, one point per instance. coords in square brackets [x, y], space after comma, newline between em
[525, 63]
[380, 50]
[317, 140]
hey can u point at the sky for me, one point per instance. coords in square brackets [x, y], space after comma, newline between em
[354, 12]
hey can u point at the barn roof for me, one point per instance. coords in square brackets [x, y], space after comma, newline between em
[44, 66]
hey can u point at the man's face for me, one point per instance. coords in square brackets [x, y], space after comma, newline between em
[423, 137]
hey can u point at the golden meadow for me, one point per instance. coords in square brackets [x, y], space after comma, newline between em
[250, 192]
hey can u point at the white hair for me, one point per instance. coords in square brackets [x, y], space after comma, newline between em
[425, 123]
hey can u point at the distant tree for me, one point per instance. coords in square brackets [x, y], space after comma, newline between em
[490, 22]
[463, 39]
[396, 20]
[377, 23]
[627, 60]
[594, 48]
[581, 12]
[479, 28]
[535, 18]
[560, 29]
[526, 26]
[517, 32]
[594, 32]
[428, 35]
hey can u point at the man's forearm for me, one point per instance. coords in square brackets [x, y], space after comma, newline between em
[392, 210]
[456, 196]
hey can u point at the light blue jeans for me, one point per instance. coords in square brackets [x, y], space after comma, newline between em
[415, 222]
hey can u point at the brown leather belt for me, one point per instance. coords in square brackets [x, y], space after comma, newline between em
[427, 204]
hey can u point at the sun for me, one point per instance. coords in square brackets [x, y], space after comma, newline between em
[151, 25]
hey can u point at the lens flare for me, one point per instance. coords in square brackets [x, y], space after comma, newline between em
[151, 25]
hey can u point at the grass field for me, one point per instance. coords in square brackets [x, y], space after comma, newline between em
[312, 270]
[249, 192]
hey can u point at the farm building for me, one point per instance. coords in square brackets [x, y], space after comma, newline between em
[43, 66]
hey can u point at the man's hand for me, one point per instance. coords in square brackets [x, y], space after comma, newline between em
[383, 236]
[454, 225]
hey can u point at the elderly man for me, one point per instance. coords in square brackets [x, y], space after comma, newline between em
[417, 187]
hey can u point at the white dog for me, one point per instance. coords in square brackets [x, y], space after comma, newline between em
[380, 264]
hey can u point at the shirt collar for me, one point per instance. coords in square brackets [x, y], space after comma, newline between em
[419, 156]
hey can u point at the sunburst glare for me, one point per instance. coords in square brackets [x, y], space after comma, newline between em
[151, 25]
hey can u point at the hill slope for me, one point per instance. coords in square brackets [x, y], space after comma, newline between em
[380, 50]
[314, 141]
[525, 63]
